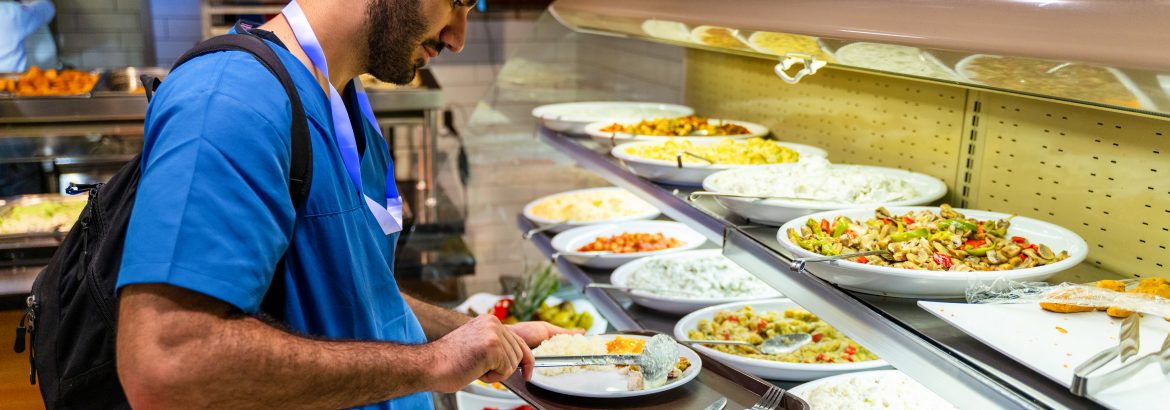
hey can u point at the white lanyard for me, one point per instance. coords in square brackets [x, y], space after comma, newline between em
[389, 216]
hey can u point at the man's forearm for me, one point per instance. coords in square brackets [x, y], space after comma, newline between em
[435, 321]
[240, 362]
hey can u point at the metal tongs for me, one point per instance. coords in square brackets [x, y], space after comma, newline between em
[1085, 384]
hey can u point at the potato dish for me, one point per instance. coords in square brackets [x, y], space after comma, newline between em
[590, 206]
[1051, 78]
[718, 37]
[828, 345]
[752, 151]
[677, 127]
[627, 242]
[780, 44]
[36, 82]
[942, 241]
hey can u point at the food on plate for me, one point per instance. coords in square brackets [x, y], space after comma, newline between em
[579, 345]
[37, 82]
[894, 58]
[816, 179]
[1082, 81]
[718, 37]
[752, 151]
[565, 315]
[887, 390]
[780, 44]
[698, 276]
[942, 241]
[493, 385]
[590, 206]
[1089, 301]
[40, 217]
[677, 127]
[627, 242]
[828, 345]
[1066, 294]
[668, 30]
[529, 303]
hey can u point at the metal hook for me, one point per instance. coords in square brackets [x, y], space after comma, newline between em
[810, 62]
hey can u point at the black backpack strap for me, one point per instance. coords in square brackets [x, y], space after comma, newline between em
[301, 167]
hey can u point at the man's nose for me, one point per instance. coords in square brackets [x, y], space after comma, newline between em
[455, 34]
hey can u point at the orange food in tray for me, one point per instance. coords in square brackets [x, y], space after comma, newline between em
[36, 82]
[631, 242]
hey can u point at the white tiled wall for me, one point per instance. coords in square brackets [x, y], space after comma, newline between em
[100, 33]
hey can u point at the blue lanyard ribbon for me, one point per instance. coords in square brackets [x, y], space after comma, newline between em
[389, 215]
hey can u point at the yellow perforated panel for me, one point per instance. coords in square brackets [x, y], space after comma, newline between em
[857, 118]
[1104, 175]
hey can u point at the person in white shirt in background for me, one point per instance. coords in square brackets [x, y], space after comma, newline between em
[18, 21]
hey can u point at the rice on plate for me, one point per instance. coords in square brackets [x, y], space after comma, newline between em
[873, 390]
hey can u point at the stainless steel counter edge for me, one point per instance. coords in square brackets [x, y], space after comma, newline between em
[617, 316]
[673, 206]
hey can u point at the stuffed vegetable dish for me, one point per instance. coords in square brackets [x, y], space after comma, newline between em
[942, 241]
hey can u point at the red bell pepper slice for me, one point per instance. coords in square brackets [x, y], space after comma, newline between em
[500, 309]
[943, 260]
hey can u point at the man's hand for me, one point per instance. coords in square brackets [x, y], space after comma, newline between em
[535, 332]
[480, 349]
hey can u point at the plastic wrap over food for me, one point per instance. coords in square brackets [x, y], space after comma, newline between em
[1072, 297]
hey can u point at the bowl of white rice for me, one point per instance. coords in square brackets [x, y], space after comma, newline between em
[872, 390]
[818, 185]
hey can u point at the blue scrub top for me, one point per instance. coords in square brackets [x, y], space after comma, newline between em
[213, 212]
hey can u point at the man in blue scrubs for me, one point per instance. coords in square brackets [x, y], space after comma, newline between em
[213, 218]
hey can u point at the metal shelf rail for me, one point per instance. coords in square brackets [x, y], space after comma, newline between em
[956, 366]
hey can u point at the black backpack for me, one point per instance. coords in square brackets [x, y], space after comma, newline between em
[72, 313]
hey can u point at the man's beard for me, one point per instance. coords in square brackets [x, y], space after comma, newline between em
[395, 30]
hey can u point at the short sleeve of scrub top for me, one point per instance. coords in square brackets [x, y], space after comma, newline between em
[213, 212]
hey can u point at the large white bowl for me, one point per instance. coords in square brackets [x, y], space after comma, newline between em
[679, 305]
[911, 283]
[566, 243]
[610, 384]
[885, 376]
[573, 117]
[649, 213]
[691, 174]
[615, 138]
[768, 369]
[779, 211]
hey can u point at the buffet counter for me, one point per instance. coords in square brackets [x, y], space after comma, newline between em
[950, 362]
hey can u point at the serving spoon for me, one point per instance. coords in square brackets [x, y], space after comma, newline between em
[656, 360]
[798, 264]
[698, 194]
[779, 344]
[631, 289]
